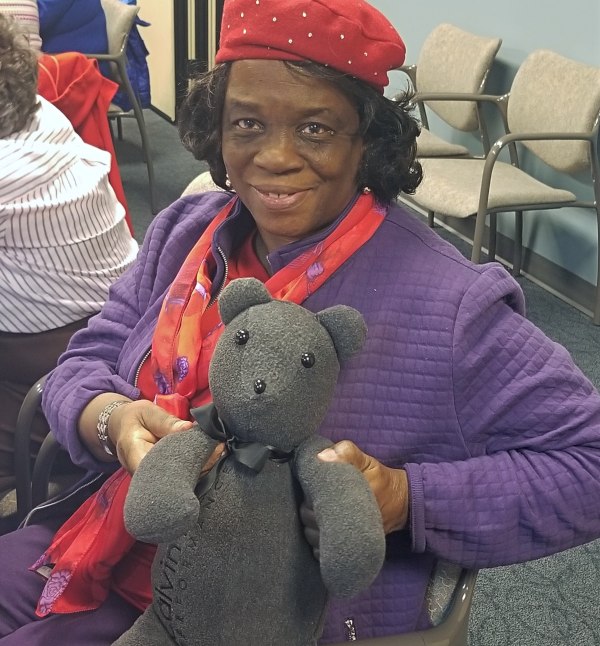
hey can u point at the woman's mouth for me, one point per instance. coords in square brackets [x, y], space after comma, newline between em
[278, 201]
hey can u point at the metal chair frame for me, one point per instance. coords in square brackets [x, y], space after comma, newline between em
[420, 99]
[120, 18]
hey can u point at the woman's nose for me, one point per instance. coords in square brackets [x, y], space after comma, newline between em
[278, 152]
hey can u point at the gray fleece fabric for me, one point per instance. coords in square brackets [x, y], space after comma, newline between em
[233, 568]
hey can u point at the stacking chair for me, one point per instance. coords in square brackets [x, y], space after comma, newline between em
[451, 62]
[22, 455]
[120, 18]
[33, 486]
[553, 113]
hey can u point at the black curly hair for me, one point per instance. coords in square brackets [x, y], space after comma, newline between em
[388, 129]
[18, 78]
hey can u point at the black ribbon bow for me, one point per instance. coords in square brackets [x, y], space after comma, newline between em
[253, 455]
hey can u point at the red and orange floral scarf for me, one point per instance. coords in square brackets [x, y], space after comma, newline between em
[91, 543]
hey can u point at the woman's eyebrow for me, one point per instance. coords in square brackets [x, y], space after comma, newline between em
[239, 104]
[311, 111]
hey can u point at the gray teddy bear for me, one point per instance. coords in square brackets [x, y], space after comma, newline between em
[233, 566]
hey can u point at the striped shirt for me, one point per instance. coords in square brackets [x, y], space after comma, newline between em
[63, 236]
[25, 12]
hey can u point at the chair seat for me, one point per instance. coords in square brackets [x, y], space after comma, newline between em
[452, 187]
[430, 145]
[114, 110]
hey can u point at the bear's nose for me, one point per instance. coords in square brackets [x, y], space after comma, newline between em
[259, 386]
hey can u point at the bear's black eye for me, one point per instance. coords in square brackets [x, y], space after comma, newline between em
[308, 359]
[242, 337]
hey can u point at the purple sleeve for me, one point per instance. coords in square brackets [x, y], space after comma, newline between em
[90, 365]
[102, 358]
[530, 422]
[88, 368]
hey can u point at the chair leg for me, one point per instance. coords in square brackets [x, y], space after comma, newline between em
[139, 116]
[492, 241]
[430, 219]
[150, 167]
[478, 236]
[518, 245]
[119, 129]
[596, 316]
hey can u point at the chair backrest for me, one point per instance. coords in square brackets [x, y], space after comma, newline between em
[119, 21]
[200, 184]
[554, 94]
[454, 60]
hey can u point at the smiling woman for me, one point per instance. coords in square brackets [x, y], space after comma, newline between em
[477, 435]
[292, 153]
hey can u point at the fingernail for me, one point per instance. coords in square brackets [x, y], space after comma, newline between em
[328, 455]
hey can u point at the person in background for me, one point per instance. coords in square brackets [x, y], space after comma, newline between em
[477, 434]
[63, 237]
[26, 13]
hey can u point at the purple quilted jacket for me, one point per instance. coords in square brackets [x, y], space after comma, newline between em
[497, 429]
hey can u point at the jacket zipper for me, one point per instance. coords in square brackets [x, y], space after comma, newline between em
[51, 503]
[214, 297]
[139, 368]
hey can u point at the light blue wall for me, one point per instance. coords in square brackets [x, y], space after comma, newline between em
[568, 237]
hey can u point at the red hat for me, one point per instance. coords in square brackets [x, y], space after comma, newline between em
[348, 35]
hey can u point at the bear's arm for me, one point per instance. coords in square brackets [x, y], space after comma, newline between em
[161, 504]
[351, 536]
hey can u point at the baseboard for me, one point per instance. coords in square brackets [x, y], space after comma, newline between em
[555, 279]
[160, 113]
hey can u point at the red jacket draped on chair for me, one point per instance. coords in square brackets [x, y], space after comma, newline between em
[74, 84]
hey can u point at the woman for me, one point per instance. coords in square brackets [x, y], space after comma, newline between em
[478, 435]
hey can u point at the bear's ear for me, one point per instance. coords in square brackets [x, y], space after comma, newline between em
[346, 327]
[241, 294]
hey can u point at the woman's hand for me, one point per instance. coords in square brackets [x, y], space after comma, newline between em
[136, 427]
[390, 486]
[133, 429]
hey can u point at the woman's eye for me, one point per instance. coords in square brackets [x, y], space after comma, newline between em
[315, 129]
[247, 124]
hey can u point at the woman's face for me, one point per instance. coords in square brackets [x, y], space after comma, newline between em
[291, 148]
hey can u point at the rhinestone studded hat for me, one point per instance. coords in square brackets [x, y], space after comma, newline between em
[347, 35]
